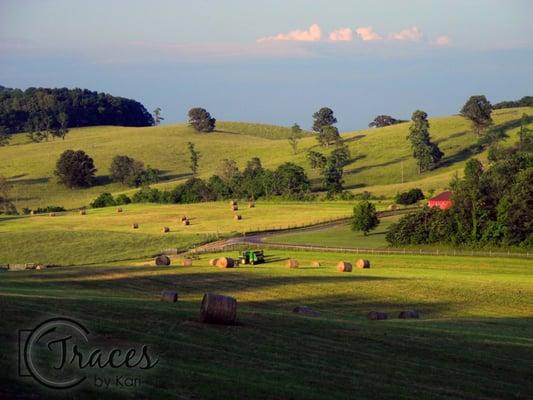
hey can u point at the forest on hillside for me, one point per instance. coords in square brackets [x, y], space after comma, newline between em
[56, 110]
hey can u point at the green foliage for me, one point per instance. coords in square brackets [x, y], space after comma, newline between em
[6, 206]
[194, 157]
[384, 120]
[525, 135]
[426, 153]
[291, 180]
[43, 112]
[122, 199]
[328, 136]
[296, 134]
[126, 170]
[478, 110]
[104, 200]
[410, 197]
[4, 137]
[316, 160]
[201, 120]
[526, 101]
[323, 117]
[364, 217]
[75, 169]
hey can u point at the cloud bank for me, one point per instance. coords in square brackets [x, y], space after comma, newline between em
[313, 34]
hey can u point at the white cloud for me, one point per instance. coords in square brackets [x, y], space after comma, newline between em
[366, 33]
[442, 41]
[412, 34]
[313, 34]
[341, 34]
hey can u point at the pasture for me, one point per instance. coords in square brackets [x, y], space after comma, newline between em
[473, 339]
[378, 156]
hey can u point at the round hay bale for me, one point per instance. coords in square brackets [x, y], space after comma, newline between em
[41, 266]
[409, 314]
[392, 207]
[169, 296]
[186, 262]
[135, 226]
[315, 264]
[377, 315]
[184, 218]
[235, 207]
[218, 309]
[251, 204]
[83, 212]
[162, 260]
[52, 214]
[293, 263]
[213, 262]
[232, 203]
[186, 222]
[166, 229]
[237, 217]
[119, 210]
[344, 266]
[33, 212]
[362, 263]
[225, 262]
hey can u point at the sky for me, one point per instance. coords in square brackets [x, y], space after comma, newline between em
[274, 61]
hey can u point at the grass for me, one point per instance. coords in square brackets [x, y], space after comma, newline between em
[103, 235]
[377, 156]
[339, 236]
[473, 339]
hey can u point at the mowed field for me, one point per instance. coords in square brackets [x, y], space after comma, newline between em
[474, 338]
[104, 235]
[376, 164]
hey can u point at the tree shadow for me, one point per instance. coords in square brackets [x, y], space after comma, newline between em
[29, 181]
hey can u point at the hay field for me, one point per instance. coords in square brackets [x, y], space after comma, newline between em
[473, 339]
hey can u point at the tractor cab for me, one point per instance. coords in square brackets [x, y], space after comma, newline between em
[252, 257]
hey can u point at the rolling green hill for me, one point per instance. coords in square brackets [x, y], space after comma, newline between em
[377, 155]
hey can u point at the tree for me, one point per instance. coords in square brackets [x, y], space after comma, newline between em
[478, 110]
[341, 155]
[328, 135]
[323, 117]
[4, 137]
[364, 217]
[296, 134]
[75, 169]
[525, 135]
[194, 157]
[126, 170]
[201, 120]
[316, 159]
[332, 177]
[291, 180]
[228, 169]
[6, 206]
[410, 197]
[426, 153]
[157, 116]
[384, 120]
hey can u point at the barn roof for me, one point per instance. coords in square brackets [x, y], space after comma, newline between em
[442, 196]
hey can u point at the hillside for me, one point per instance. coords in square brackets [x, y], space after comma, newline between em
[376, 165]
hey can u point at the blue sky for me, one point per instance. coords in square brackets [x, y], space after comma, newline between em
[274, 61]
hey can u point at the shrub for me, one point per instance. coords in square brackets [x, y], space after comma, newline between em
[104, 200]
[122, 199]
[410, 197]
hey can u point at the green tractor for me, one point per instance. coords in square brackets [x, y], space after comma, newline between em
[252, 257]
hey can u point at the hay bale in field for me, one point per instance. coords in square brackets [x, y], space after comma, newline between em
[119, 210]
[251, 204]
[292, 263]
[135, 226]
[392, 207]
[184, 218]
[225, 262]
[377, 315]
[409, 314]
[52, 214]
[306, 311]
[30, 266]
[235, 207]
[83, 212]
[232, 203]
[213, 262]
[237, 217]
[186, 222]
[186, 262]
[41, 266]
[362, 263]
[166, 229]
[315, 264]
[218, 309]
[344, 266]
[169, 296]
[162, 260]
[33, 212]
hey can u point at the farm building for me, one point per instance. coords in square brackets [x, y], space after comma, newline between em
[443, 200]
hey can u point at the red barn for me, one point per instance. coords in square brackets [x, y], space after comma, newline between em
[443, 200]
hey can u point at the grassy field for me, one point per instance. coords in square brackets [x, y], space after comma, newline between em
[376, 165]
[339, 236]
[474, 338]
[103, 235]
